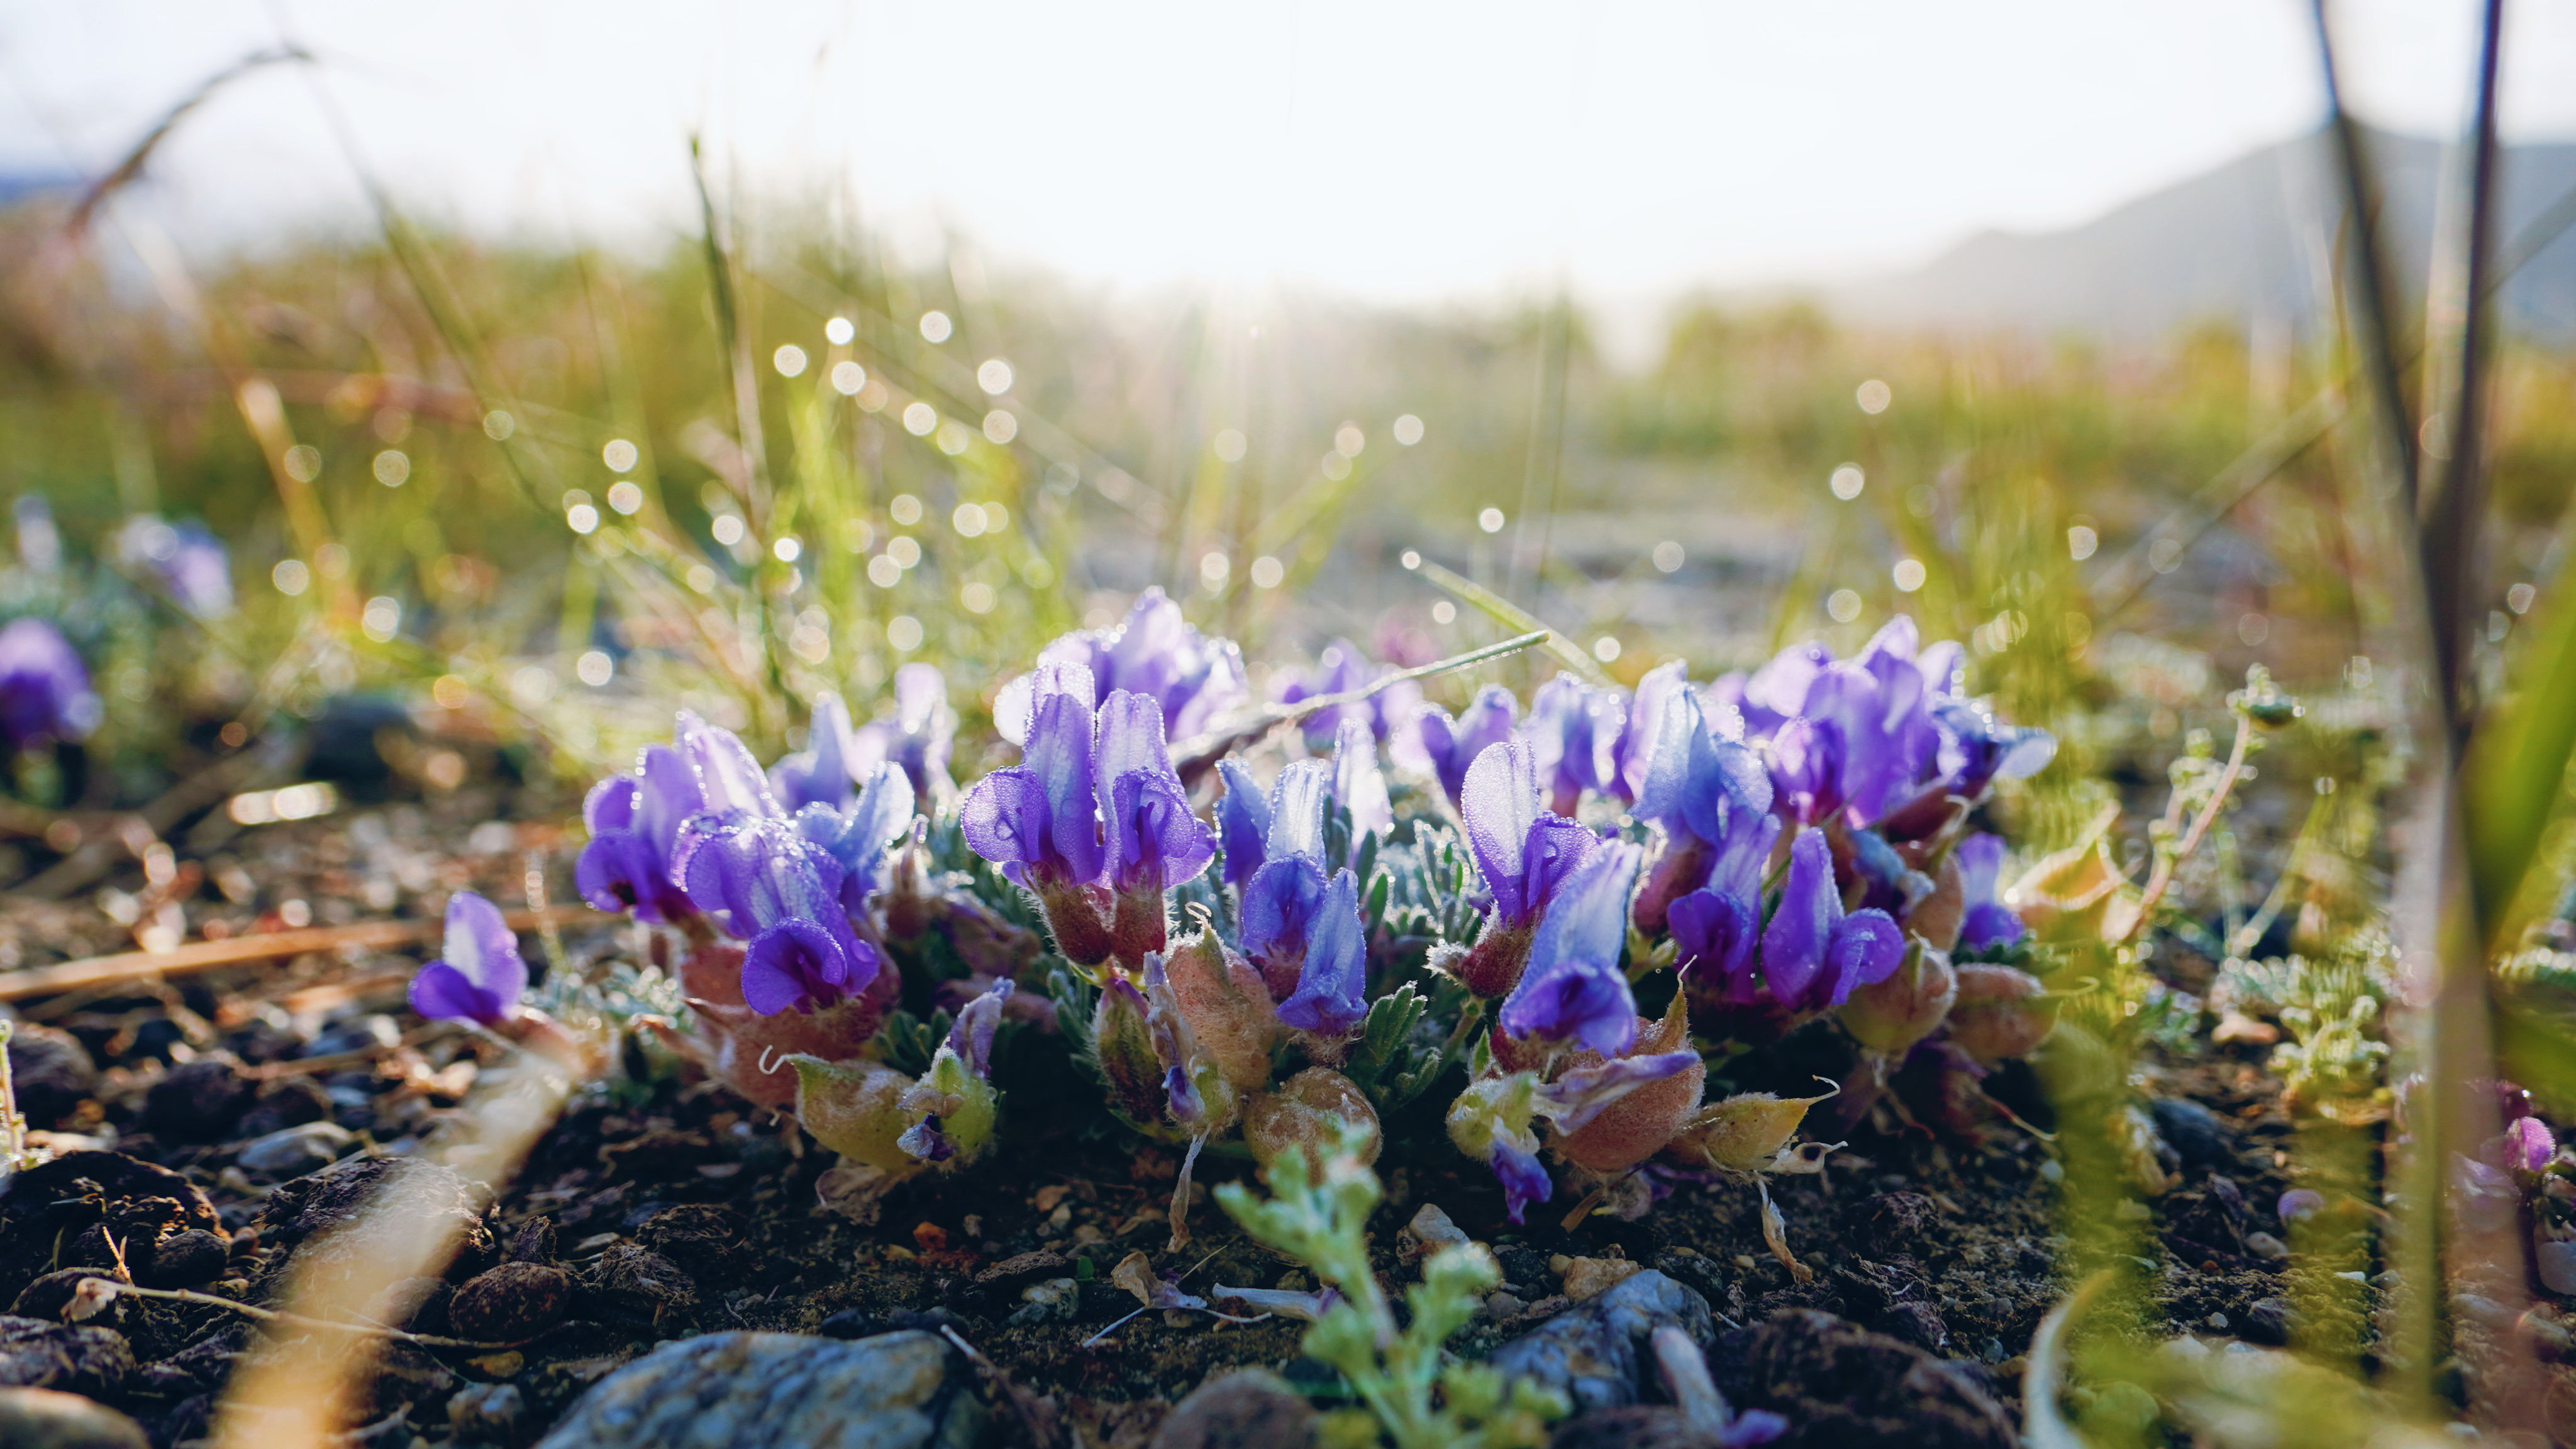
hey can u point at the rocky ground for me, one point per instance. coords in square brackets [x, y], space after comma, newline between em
[660, 1269]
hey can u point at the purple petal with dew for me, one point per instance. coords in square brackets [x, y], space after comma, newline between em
[617, 871]
[820, 773]
[670, 796]
[1779, 688]
[1004, 820]
[763, 872]
[1898, 638]
[611, 804]
[1159, 842]
[1867, 946]
[1807, 769]
[1744, 856]
[1063, 668]
[1578, 1096]
[728, 777]
[1942, 666]
[1500, 802]
[1128, 736]
[1242, 821]
[1713, 935]
[972, 1037]
[442, 993]
[797, 962]
[1989, 924]
[1556, 850]
[1359, 786]
[1059, 758]
[480, 944]
[1587, 918]
[1280, 906]
[1331, 988]
[1524, 1180]
[1570, 998]
[1644, 725]
[1793, 945]
[1297, 810]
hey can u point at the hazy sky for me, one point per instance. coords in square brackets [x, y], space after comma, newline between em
[1393, 151]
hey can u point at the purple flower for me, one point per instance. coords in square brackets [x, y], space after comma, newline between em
[1976, 750]
[1573, 989]
[1331, 998]
[1359, 786]
[1813, 955]
[782, 892]
[1576, 1097]
[1154, 652]
[635, 822]
[1155, 841]
[1716, 931]
[479, 975]
[1574, 730]
[1634, 756]
[1987, 922]
[972, 1036]
[1037, 819]
[821, 773]
[1524, 853]
[189, 563]
[2526, 1144]
[1339, 669]
[1285, 900]
[861, 836]
[1712, 799]
[917, 736]
[1242, 821]
[1524, 1180]
[1452, 745]
[44, 690]
[1878, 704]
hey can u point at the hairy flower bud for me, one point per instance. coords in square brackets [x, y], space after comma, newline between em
[1306, 1114]
[1888, 1017]
[1122, 1042]
[1936, 917]
[857, 1110]
[1227, 1007]
[2000, 1012]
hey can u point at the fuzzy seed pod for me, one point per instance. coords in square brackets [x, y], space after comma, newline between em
[1888, 1017]
[1637, 1126]
[1228, 1009]
[1303, 1115]
[1493, 966]
[2000, 1012]
[1073, 917]
[1936, 917]
[733, 1039]
[1744, 1132]
[856, 1109]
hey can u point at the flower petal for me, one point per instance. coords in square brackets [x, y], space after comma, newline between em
[1331, 997]
[1242, 821]
[442, 993]
[1793, 945]
[1582, 1093]
[480, 944]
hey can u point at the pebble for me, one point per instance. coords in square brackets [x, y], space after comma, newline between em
[743, 1390]
[1503, 1305]
[2264, 1245]
[487, 1411]
[1591, 1277]
[51, 1072]
[52, 1419]
[1247, 1409]
[295, 1151]
[1595, 1351]
[2192, 1130]
[2272, 1320]
[2557, 1264]
[1054, 1298]
[39, 1355]
[511, 1303]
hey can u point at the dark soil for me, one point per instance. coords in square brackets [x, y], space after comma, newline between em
[647, 1216]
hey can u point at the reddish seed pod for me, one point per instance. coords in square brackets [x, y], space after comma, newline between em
[1222, 997]
[1889, 1017]
[2000, 1012]
[1936, 917]
[1638, 1125]
[1305, 1114]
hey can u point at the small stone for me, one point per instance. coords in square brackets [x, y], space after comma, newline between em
[1246, 1409]
[849, 1323]
[503, 1365]
[724, 1390]
[2545, 1334]
[534, 1242]
[2218, 1321]
[2264, 1245]
[51, 1072]
[2557, 1265]
[1503, 1305]
[197, 1102]
[1591, 1277]
[1595, 1352]
[296, 1151]
[1056, 1298]
[487, 1412]
[2272, 1320]
[83, 1359]
[511, 1303]
[2193, 1131]
[52, 1419]
[641, 1283]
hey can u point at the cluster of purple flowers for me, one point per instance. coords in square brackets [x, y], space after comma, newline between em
[44, 688]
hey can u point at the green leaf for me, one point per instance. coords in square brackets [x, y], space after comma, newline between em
[2516, 768]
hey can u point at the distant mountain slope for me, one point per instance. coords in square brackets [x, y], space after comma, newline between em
[2241, 241]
